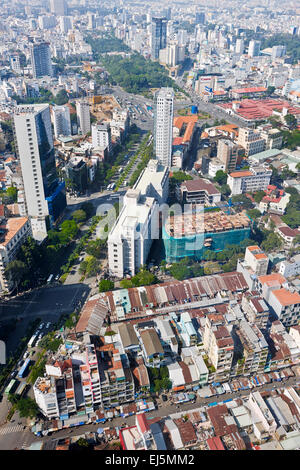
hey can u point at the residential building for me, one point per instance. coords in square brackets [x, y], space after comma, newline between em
[101, 136]
[61, 121]
[254, 48]
[158, 36]
[228, 153]
[44, 195]
[284, 346]
[286, 305]
[239, 46]
[59, 7]
[163, 125]
[251, 141]
[257, 260]
[152, 349]
[248, 181]
[199, 191]
[219, 347]
[290, 268]
[287, 234]
[13, 234]
[251, 349]
[154, 181]
[77, 172]
[131, 236]
[41, 60]
[256, 310]
[83, 116]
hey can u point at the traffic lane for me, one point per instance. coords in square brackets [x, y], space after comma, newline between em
[50, 300]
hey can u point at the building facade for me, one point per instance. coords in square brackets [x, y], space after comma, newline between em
[163, 125]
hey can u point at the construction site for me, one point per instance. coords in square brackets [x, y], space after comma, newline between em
[193, 233]
[101, 107]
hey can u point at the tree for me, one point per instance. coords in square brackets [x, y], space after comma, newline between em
[180, 271]
[79, 216]
[290, 121]
[221, 177]
[143, 278]
[95, 248]
[126, 283]
[69, 230]
[254, 213]
[27, 408]
[88, 208]
[92, 266]
[15, 271]
[258, 196]
[270, 90]
[272, 242]
[244, 201]
[12, 193]
[225, 190]
[106, 285]
[61, 98]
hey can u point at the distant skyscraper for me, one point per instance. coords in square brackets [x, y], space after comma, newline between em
[158, 36]
[91, 21]
[254, 48]
[41, 60]
[44, 195]
[65, 24]
[61, 120]
[239, 46]
[83, 116]
[163, 125]
[59, 7]
[200, 17]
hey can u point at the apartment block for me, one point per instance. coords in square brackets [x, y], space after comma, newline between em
[251, 141]
[286, 305]
[13, 233]
[163, 125]
[252, 349]
[256, 310]
[257, 260]
[199, 191]
[248, 181]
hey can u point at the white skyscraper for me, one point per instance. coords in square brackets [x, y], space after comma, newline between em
[101, 136]
[83, 116]
[61, 120]
[163, 125]
[239, 46]
[254, 48]
[44, 195]
[59, 7]
[65, 24]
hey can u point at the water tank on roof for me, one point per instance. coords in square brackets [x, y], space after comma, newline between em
[194, 109]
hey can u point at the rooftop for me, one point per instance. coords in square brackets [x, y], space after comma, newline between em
[10, 228]
[286, 297]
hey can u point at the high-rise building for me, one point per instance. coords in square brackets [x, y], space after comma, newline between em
[101, 136]
[65, 24]
[15, 63]
[158, 36]
[61, 120]
[44, 195]
[83, 116]
[228, 153]
[59, 7]
[91, 21]
[254, 48]
[172, 57]
[200, 17]
[239, 46]
[163, 125]
[41, 60]
[278, 51]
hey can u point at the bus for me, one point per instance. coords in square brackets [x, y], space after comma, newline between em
[24, 368]
[32, 341]
[11, 387]
[49, 278]
[21, 389]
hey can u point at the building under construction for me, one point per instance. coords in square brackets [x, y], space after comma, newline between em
[193, 233]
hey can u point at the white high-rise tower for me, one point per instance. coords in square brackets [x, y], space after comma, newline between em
[163, 125]
[83, 116]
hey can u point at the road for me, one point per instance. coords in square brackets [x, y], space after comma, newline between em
[14, 436]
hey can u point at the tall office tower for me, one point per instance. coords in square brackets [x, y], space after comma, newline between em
[45, 197]
[65, 24]
[254, 48]
[59, 7]
[278, 51]
[163, 125]
[41, 60]
[91, 21]
[61, 120]
[101, 136]
[239, 46]
[172, 57]
[158, 36]
[200, 17]
[83, 116]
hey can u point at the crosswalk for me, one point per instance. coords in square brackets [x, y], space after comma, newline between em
[12, 428]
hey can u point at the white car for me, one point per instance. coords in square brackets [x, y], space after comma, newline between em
[48, 324]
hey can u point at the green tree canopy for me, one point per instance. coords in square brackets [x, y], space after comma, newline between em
[79, 216]
[106, 285]
[221, 177]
